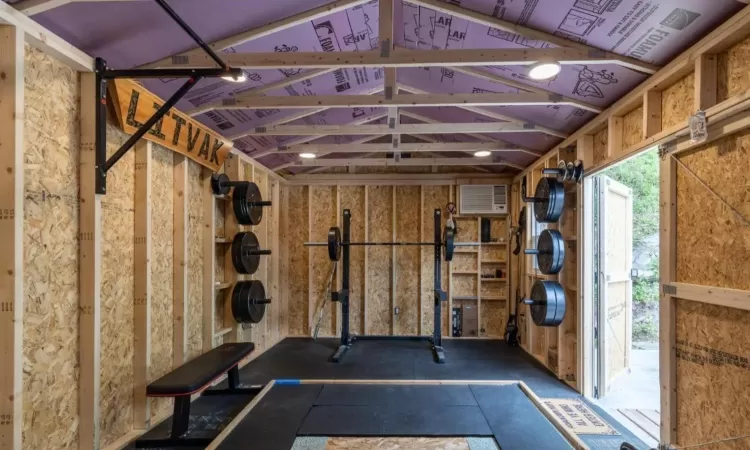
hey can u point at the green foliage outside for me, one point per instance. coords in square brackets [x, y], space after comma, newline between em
[646, 289]
[642, 175]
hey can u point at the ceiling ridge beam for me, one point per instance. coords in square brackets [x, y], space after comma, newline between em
[525, 87]
[389, 162]
[355, 130]
[433, 146]
[265, 30]
[492, 114]
[259, 90]
[492, 22]
[402, 58]
[400, 100]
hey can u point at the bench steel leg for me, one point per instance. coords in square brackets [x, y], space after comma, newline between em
[181, 416]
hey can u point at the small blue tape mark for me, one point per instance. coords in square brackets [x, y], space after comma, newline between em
[287, 382]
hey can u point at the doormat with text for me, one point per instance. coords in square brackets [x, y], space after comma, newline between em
[577, 417]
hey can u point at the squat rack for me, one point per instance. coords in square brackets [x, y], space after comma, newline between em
[103, 74]
[342, 296]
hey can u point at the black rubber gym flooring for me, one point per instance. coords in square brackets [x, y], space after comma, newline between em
[500, 411]
[285, 411]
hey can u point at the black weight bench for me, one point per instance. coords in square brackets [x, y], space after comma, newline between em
[193, 377]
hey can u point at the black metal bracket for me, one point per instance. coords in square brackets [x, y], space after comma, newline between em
[103, 74]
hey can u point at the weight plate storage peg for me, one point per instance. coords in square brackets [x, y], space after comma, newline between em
[547, 303]
[334, 243]
[246, 252]
[548, 199]
[249, 301]
[220, 183]
[549, 251]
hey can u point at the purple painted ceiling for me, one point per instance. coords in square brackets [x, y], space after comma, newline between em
[129, 34]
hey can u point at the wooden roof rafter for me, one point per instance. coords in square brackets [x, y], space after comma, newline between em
[265, 30]
[410, 58]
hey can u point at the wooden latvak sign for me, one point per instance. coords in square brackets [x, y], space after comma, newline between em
[134, 105]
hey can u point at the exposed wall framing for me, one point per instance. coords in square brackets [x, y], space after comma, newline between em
[703, 297]
[115, 284]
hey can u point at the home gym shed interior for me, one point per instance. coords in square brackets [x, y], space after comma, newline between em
[155, 225]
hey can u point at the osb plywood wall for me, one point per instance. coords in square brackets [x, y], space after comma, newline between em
[600, 146]
[322, 217]
[117, 294]
[389, 283]
[50, 341]
[195, 260]
[162, 278]
[407, 261]
[632, 127]
[713, 249]
[298, 290]
[379, 282]
[50, 359]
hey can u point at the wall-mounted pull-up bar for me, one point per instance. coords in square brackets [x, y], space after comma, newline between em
[104, 73]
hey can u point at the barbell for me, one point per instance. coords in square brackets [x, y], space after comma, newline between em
[334, 244]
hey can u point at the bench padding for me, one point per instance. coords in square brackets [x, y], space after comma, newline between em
[200, 372]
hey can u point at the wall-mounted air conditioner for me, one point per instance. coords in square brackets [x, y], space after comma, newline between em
[483, 199]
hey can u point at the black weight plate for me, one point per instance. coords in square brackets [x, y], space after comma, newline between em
[559, 312]
[243, 246]
[334, 243]
[238, 308]
[548, 309]
[255, 213]
[256, 293]
[449, 243]
[218, 183]
[550, 196]
[238, 204]
[551, 248]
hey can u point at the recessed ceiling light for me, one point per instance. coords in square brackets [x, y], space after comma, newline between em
[544, 70]
[238, 79]
[482, 153]
[307, 155]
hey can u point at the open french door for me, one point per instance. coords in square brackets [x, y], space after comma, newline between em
[615, 286]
